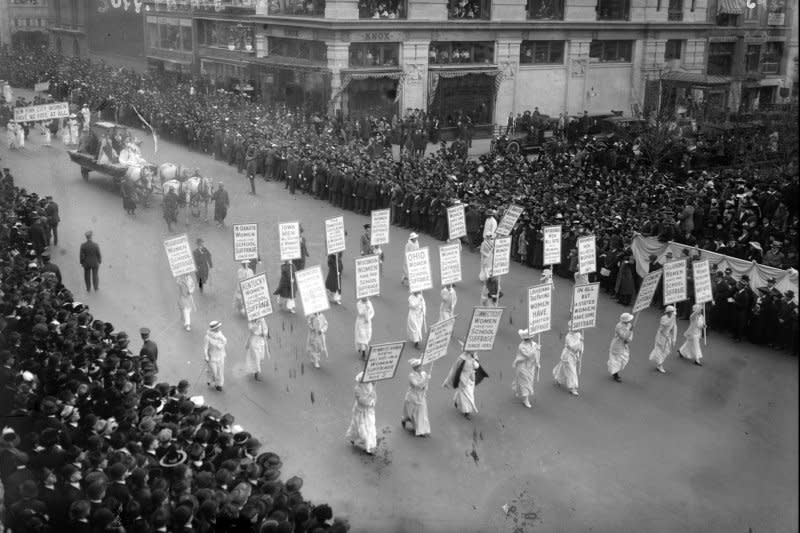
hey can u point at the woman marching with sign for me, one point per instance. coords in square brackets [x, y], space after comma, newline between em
[362, 432]
[568, 369]
[316, 346]
[465, 373]
[363, 329]
[691, 348]
[526, 367]
[415, 406]
[619, 353]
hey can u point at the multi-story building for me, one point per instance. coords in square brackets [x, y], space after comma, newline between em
[67, 26]
[23, 23]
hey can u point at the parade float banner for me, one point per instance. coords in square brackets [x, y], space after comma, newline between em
[584, 305]
[539, 308]
[483, 328]
[245, 242]
[41, 112]
[456, 222]
[439, 337]
[368, 276]
[701, 274]
[256, 296]
[587, 255]
[382, 361]
[334, 235]
[289, 240]
[552, 245]
[41, 87]
[379, 227]
[116, 27]
[510, 218]
[312, 290]
[647, 291]
[675, 282]
[501, 257]
[450, 263]
[419, 270]
[179, 255]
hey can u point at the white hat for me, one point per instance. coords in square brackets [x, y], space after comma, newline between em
[214, 325]
[625, 317]
[413, 235]
[415, 362]
[669, 309]
[524, 334]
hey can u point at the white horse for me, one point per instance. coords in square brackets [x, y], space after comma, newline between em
[199, 191]
[142, 177]
[171, 171]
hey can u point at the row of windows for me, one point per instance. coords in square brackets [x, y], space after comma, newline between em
[230, 35]
[29, 2]
[30, 22]
[169, 34]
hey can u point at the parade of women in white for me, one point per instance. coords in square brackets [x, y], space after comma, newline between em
[568, 369]
[363, 328]
[691, 349]
[415, 405]
[362, 432]
[526, 367]
[666, 335]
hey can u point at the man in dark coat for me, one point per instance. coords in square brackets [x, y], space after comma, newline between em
[742, 303]
[51, 211]
[47, 266]
[347, 190]
[149, 348]
[335, 187]
[90, 260]
[202, 260]
[221, 203]
[37, 234]
[170, 206]
[292, 173]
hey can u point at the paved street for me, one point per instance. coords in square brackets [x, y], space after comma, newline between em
[697, 449]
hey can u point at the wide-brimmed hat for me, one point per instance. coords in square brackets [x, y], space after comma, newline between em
[669, 309]
[415, 362]
[413, 235]
[626, 317]
[214, 325]
[173, 457]
[524, 334]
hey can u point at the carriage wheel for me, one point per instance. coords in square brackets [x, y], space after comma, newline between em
[513, 147]
[85, 173]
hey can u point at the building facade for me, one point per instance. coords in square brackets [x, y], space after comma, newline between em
[67, 27]
[23, 23]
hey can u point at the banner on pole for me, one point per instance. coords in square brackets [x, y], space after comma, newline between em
[647, 291]
[419, 270]
[552, 245]
[368, 276]
[483, 328]
[701, 274]
[41, 112]
[379, 230]
[312, 290]
[675, 282]
[510, 218]
[382, 361]
[41, 87]
[179, 255]
[289, 240]
[540, 307]
[587, 255]
[501, 258]
[456, 222]
[450, 263]
[438, 340]
[584, 305]
[256, 296]
[334, 235]
[245, 242]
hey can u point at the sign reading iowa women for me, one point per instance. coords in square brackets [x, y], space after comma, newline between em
[116, 26]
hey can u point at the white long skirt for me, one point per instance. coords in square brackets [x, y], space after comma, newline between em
[691, 349]
[418, 414]
[566, 374]
[257, 351]
[362, 430]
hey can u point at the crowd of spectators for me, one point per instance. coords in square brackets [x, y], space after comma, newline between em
[93, 442]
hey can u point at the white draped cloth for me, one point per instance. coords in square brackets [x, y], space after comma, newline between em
[487, 249]
[129, 156]
[363, 330]
[464, 397]
[257, 349]
[316, 345]
[20, 136]
[447, 309]
[566, 371]
[526, 365]
[362, 431]
[415, 406]
[666, 335]
[691, 347]
[417, 323]
[618, 352]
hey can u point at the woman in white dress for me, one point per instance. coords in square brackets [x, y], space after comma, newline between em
[74, 130]
[487, 252]
[316, 345]
[447, 309]
[20, 136]
[186, 287]
[526, 367]
[618, 352]
[11, 134]
[666, 335]
[243, 272]
[690, 349]
[256, 348]
[462, 379]
[66, 135]
[415, 406]
[417, 322]
[568, 369]
[363, 330]
[362, 432]
[48, 135]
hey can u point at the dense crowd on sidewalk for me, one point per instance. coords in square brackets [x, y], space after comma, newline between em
[92, 441]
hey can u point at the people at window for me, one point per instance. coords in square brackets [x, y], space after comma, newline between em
[464, 9]
[380, 9]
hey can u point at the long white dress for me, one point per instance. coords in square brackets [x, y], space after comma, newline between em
[363, 329]
[415, 406]
[74, 131]
[691, 349]
[464, 397]
[257, 348]
[316, 345]
[525, 365]
[20, 136]
[487, 248]
[447, 309]
[362, 431]
[238, 303]
[566, 371]
[416, 325]
[666, 335]
[11, 135]
[618, 352]
[186, 305]
[410, 247]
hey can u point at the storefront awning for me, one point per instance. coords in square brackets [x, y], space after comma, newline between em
[365, 74]
[435, 75]
[694, 78]
[730, 7]
[291, 63]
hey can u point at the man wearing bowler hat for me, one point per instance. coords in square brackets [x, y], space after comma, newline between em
[149, 348]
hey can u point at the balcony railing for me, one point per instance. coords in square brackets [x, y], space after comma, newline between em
[62, 26]
[675, 15]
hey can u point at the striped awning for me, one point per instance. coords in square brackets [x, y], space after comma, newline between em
[730, 7]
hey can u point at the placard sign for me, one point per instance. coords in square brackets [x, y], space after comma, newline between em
[587, 255]
[701, 274]
[368, 276]
[382, 361]
[483, 328]
[312, 290]
[41, 112]
[552, 245]
[438, 340]
[334, 235]
[675, 281]
[647, 291]
[539, 307]
[584, 305]
[456, 222]
[179, 255]
[41, 87]
[255, 294]
[289, 240]
[379, 230]
[419, 270]
[510, 218]
[245, 242]
[450, 263]
[501, 258]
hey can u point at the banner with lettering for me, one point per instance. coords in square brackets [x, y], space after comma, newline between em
[587, 255]
[539, 307]
[647, 290]
[450, 263]
[179, 255]
[438, 340]
[41, 112]
[501, 258]
[368, 276]
[675, 282]
[456, 222]
[334, 235]
[419, 270]
[382, 361]
[379, 230]
[509, 219]
[552, 245]
[312, 290]
[483, 328]
[584, 305]
[289, 240]
[245, 242]
[701, 274]
[256, 296]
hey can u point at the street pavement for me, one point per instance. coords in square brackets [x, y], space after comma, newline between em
[697, 449]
